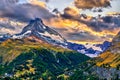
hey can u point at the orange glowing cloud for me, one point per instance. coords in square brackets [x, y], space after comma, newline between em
[73, 26]
[71, 11]
[88, 4]
[37, 2]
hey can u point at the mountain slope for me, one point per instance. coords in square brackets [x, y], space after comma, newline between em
[112, 55]
[33, 58]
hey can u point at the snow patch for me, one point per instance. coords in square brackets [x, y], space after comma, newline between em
[92, 55]
[93, 47]
[21, 36]
[44, 27]
[82, 51]
[1, 36]
[52, 36]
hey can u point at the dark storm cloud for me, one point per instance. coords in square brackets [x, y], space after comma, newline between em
[111, 19]
[24, 12]
[97, 24]
[88, 4]
[107, 23]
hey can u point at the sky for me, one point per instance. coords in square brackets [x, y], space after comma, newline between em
[78, 21]
[61, 4]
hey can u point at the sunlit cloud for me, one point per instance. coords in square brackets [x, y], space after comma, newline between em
[88, 4]
[71, 11]
[77, 31]
[38, 3]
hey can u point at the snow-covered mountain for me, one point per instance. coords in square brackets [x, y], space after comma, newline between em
[38, 29]
[91, 50]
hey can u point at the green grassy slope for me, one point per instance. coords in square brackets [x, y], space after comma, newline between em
[26, 58]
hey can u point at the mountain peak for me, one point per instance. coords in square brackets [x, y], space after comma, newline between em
[35, 25]
[38, 19]
[38, 29]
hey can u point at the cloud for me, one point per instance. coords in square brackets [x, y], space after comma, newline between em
[104, 23]
[38, 3]
[99, 26]
[24, 12]
[8, 26]
[86, 36]
[90, 30]
[71, 11]
[114, 20]
[8, 2]
[113, 13]
[12, 26]
[88, 4]
[81, 36]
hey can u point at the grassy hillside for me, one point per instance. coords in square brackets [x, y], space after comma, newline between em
[34, 60]
[108, 58]
[11, 48]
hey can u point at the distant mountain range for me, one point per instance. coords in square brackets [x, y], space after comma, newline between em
[38, 29]
[91, 50]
